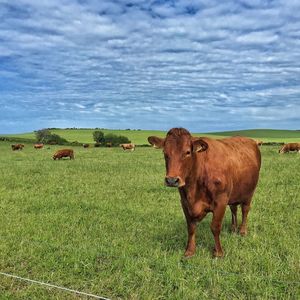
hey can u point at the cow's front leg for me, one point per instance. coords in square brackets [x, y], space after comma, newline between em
[191, 242]
[191, 228]
[191, 220]
[216, 224]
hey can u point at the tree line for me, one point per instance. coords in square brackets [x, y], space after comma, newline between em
[46, 137]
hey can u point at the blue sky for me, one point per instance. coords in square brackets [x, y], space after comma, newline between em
[203, 65]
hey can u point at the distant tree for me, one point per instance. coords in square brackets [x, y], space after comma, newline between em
[98, 136]
[116, 140]
[45, 136]
[55, 139]
[41, 135]
[123, 140]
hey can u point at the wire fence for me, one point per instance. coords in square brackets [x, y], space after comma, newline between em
[54, 286]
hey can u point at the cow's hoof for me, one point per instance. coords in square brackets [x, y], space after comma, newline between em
[243, 232]
[189, 254]
[218, 254]
[233, 229]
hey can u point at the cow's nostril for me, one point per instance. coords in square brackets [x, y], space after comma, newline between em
[172, 181]
[167, 180]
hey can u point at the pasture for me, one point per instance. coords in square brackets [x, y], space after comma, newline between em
[105, 224]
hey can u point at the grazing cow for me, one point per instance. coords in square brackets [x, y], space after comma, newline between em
[210, 174]
[290, 147]
[63, 153]
[259, 142]
[17, 147]
[86, 145]
[38, 146]
[130, 146]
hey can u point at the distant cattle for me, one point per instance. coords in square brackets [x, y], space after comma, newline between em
[63, 153]
[130, 146]
[108, 144]
[17, 147]
[290, 147]
[259, 142]
[38, 146]
[86, 145]
[210, 174]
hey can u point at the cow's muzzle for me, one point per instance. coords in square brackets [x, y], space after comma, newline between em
[172, 181]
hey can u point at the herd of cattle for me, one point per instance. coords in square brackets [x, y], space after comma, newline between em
[209, 174]
[68, 152]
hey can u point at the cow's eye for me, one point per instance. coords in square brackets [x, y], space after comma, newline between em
[188, 153]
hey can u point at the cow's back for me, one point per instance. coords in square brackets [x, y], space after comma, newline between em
[234, 164]
[293, 146]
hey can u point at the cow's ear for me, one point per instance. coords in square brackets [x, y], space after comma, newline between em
[156, 141]
[199, 145]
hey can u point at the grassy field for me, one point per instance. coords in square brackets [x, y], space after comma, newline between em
[139, 137]
[105, 224]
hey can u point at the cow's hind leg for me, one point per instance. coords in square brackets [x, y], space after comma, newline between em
[233, 209]
[245, 210]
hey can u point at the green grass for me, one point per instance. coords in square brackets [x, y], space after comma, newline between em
[105, 224]
[139, 137]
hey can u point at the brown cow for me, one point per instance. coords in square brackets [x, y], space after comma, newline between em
[86, 145]
[290, 147]
[17, 147]
[130, 146]
[63, 153]
[210, 174]
[38, 146]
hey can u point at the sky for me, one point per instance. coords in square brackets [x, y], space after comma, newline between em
[206, 65]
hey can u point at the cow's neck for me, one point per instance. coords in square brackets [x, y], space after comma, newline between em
[196, 188]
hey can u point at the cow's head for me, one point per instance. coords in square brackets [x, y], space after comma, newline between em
[282, 149]
[179, 149]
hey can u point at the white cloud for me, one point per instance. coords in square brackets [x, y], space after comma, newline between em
[258, 38]
[169, 61]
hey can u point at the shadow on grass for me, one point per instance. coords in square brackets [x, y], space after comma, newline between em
[174, 238]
